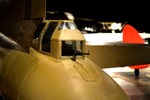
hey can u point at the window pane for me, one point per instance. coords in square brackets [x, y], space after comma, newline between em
[67, 25]
[71, 47]
[47, 36]
[72, 26]
[61, 26]
[39, 30]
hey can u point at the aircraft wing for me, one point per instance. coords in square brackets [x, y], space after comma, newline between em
[106, 38]
[126, 49]
[118, 55]
[144, 35]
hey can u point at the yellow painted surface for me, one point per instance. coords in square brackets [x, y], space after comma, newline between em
[42, 75]
[36, 76]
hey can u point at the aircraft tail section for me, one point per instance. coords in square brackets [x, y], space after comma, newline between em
[139, 66]
[131, 35]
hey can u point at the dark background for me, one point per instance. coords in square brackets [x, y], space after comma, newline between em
[136, 13]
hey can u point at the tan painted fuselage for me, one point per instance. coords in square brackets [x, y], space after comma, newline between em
[36, 76]
[47, 71]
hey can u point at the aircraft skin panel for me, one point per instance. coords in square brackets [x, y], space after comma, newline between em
[119, 55]
[45, 78]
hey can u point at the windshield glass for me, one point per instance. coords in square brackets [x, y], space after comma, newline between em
[46, 43]
[71, 47]
[67, 25]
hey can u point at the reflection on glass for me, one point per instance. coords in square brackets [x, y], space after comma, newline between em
[67, 25]
[47, 36]
[71, 47]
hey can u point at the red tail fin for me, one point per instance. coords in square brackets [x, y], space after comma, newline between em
[131, 35]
